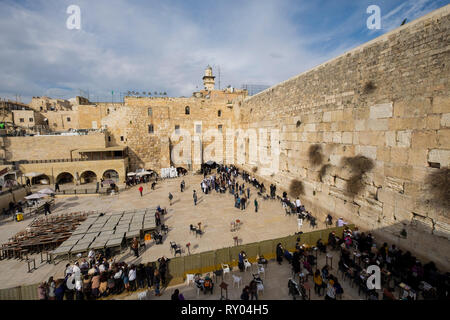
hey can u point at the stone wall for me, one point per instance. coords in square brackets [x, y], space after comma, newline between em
[49, 147]
[387, 100]
[129, 125]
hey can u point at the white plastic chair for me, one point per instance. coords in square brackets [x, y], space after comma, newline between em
[237, 280]
[259, 287]
[226, 269]
[142, 295]
[189, 278]
[247, 264]
[261, 270]
[299, 223]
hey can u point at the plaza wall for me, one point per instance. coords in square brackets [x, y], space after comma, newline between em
[387, 100]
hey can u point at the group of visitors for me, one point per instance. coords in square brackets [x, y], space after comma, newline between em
[400, 265]
[135, 180]
[99, 277]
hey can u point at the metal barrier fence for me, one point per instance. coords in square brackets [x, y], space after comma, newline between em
[207, 261]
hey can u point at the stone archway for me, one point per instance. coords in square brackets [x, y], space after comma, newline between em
[64, 177]
[88, 177]
[111, 175]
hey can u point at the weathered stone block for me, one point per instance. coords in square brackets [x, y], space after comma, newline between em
[381, 111]
[367, 151]
[443, 138]
[439, 155]
[347, 137]
[445, 120]
[418, 157]
[424, 139]
[377, 124]
[399, 155]
[390, 138]
[404, 138]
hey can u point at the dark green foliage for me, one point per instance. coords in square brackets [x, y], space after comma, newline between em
[369, 87]
[323, 171]
[438, 183]
[359, 165]
[296, 188]
[315, 154]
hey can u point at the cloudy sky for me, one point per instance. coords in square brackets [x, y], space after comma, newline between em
[145, 45]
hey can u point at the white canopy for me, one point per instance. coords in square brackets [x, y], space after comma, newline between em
[143, 173]
[36, 196]
[33, 174]
[46, 191]
[130, 174]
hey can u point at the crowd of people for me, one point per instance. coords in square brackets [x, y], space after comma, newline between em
[99, 277]
[396, 265]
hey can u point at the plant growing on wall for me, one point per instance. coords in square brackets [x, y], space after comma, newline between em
[296, 188]
[438, 184]
[323, 171]
[369, 87]
[315, 154]
[359, 165]
[255, 169]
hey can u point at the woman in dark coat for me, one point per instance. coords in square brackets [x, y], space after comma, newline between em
[296, 262]
[279, 253]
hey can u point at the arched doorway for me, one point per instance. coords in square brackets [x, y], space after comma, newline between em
[88, 177]
[64, 177]
[111, 175]
[42, 179]
[181, 171]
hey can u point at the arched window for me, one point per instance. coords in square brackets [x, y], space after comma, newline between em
[219, 113]
[187, 110]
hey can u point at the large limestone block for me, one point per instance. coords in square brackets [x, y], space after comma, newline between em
[418, 157]
[347, 137]
[383, 154]
[337, 137]
[445, 120]
[381, 111]
[367, 151]
[390, 138]
[404, 138]
[399, 155]
[378, 124]
[424, 139]
[441, 104]
[440, 156]
[434, 121]
[443, 137]
[360, 125]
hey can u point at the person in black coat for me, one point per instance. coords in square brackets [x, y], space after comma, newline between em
[280, 253]
[149, 272]
[296, 262]
[245, 293]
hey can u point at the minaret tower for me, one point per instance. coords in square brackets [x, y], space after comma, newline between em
[208, 79]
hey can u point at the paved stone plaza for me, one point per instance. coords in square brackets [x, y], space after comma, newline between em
[215, 211]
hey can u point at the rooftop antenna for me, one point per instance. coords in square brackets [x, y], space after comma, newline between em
[218, 67]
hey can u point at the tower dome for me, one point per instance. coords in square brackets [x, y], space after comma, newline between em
[208, 79]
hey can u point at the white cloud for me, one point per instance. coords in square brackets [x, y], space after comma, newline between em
[160, 46]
